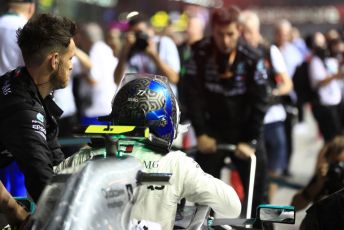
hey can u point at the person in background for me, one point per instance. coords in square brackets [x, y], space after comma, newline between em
[226, 94]
[279, 84]
[172, 32]
[324, 74]
[336, 49]
[194, 32]
[331, 35]
[113, 39]
[19, 12]
[328, 175]
[283, 36]
[325, 214]
[338, 53]
[98, 88]
[28, 113]
[299, 42]
[145, 52]
[292, 58]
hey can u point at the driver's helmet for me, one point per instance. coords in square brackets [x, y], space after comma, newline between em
[147, 100]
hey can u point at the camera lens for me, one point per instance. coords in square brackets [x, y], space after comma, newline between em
[141, 41]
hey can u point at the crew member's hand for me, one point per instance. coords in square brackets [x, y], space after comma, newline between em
[206, 144]
[244, 151]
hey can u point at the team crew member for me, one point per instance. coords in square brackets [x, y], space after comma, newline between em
[17, 15]
[227, 94]
[149, 101]
[28, 113]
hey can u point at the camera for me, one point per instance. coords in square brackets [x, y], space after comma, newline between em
[141, 41]
[335, 177]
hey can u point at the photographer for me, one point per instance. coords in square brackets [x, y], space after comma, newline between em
[328, 176]
[143, 52]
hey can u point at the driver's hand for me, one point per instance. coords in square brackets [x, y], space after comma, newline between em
[206, 144]
[244, 151]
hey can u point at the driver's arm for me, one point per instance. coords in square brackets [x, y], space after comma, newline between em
[204, 189]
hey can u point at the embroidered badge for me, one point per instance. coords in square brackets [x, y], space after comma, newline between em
[6, 88]
[40, 117]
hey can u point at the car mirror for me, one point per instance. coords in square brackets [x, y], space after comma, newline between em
[276, 214]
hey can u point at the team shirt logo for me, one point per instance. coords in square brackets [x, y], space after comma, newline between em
[38, 125]
[6, 88]
[40, 117]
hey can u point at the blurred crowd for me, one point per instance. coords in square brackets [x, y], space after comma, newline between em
[304, 71]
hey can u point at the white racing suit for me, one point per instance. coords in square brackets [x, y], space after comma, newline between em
[158, 203]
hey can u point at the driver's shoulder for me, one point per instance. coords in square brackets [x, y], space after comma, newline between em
[177, 160]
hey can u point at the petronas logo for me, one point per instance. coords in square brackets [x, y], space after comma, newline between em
[40, 117]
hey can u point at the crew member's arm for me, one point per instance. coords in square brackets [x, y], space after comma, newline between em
[24, 135]
[257, 99]
[204, 189]
[308, 194]
[318, 74]
[315, 187]
[331, 77]
[195, 102]
[14, 213]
